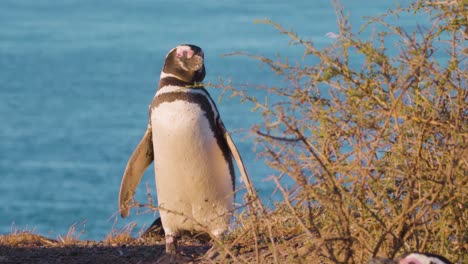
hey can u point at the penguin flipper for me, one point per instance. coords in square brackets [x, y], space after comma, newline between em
[141, 158]
[240, 164]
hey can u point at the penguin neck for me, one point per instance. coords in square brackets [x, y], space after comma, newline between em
[170, 79]
[174, 82]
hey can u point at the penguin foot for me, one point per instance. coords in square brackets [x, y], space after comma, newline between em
[171, 244]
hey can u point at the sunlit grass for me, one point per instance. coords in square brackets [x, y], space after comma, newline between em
[122, 236]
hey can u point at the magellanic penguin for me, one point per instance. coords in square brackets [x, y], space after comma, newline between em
[192, 153]
[413, 258]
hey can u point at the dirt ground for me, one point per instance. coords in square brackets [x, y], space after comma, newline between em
[96, 252]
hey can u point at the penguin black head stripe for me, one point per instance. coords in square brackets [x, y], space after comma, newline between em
[186, 63]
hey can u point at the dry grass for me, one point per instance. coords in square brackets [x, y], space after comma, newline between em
[26, 239]
[73, 234]
[120, 237]
[29, 238]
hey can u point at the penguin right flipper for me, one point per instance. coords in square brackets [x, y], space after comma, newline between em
[141, 158]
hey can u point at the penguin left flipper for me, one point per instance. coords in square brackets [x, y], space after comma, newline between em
[240, 164]
[141, 158]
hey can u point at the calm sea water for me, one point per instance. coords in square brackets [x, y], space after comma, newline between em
[76, 78]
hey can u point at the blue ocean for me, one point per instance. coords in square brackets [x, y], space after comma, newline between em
[76, 79]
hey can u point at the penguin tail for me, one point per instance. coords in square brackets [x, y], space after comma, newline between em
[155, 230]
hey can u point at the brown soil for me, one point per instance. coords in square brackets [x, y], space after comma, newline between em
[37, 249]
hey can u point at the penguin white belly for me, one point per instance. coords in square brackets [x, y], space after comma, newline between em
[193, 180]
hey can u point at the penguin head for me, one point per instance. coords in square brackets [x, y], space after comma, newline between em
[423, 258]
[186, 63]
[413, 258]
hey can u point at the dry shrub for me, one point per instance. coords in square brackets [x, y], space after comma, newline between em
[377, 150]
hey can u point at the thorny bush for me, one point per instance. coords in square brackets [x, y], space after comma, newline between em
[377, 147]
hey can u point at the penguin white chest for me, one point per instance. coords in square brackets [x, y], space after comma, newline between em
[192, 175]
[179, 125]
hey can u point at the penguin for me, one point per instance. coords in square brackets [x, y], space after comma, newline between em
[191, 150]
[413, 258]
